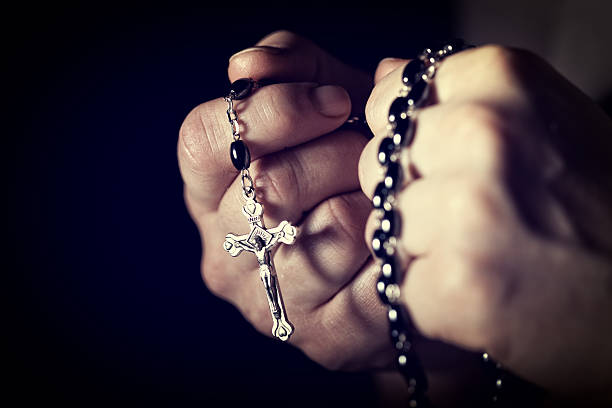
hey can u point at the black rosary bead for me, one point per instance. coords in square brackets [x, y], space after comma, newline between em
[403, 132]
[387, 287]
[398, 329]
[412, 72]
[398, 109]
[413, 372]
[380, 195]
[380, 243]
[239, 152]
[456, 45]
[389, 222]
[386, 149]
[241, 88]
[399, 338]
[418, 93]
[388, 269]
[392, 176]
[381, 288]
[395, 316]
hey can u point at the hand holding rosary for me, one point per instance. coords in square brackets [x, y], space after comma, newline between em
[259, 241]
[465, 235]
[417, 75]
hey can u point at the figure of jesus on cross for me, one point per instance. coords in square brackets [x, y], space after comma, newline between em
[260, 241]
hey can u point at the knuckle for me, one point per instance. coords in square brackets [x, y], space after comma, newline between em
[198, 140]
[506, 62]
[468, 280]
[472, 208]
[280, 110]
[342, 213]
[483, 129]
[277, 179]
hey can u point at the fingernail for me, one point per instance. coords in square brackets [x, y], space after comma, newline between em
[331, 100]
[260, 48]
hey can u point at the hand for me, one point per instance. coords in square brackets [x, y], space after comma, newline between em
[506, 234]
[305, 171]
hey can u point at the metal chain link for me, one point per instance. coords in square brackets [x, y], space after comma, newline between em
[232, 117]
[248, 186]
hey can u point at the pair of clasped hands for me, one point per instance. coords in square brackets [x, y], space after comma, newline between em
[506, 232]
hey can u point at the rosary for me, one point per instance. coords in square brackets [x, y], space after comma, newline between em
[416, 78]
[260, 240]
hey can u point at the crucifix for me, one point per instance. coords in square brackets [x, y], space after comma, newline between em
[260, 241]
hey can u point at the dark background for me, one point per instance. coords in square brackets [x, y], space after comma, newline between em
[110, 308]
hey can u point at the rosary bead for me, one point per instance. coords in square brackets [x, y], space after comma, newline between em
[241, 88]
[395, 315]
[412, 72]
[379, 243]
[386, 149]
[388, 269]
[393, 175]
[398, 109]
[389, 221]
[397, 333]
[380, 195]
[239, 152]
[381, 288]
[455, 45]
[418, 93]
[401, 340]
[412, 370]
[387, 286]
[403, 134]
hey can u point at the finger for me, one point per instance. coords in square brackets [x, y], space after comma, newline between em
[439, 209]
[436, 303]
[329, 251]
[273, 118]
[347, 322]
[386, 66]
[450, 295]
[292, 182]
[482, 74]
[449, 138]
[388, 87]
[286, 57]
[420, 222]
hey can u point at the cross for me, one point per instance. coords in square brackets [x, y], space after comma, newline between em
[259, 241]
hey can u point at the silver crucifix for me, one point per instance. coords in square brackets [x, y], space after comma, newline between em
[259, 241]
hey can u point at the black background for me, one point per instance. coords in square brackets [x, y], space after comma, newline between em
[110, 308]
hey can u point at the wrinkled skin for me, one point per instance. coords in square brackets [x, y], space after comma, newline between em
[506, 236]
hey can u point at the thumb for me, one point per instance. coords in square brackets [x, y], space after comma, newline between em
[287, 57]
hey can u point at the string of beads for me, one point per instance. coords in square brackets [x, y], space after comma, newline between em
[416, 79]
